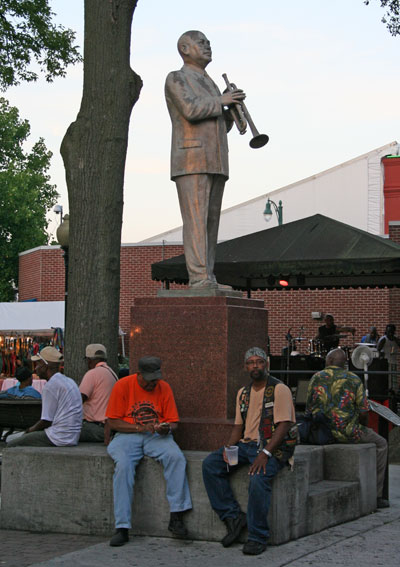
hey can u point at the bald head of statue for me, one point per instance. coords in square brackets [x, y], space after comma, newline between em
[336, 357]
[195, 49]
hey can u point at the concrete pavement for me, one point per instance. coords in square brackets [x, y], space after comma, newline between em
[370, 541]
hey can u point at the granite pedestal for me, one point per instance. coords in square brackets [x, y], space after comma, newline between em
[201, 341]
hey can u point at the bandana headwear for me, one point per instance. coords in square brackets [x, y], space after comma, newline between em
[255, 351]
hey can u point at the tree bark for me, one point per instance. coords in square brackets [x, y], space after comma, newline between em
[94, 152]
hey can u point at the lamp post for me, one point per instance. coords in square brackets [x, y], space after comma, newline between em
[63, 240]
[278, 210]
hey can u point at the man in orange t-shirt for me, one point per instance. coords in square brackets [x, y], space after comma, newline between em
[142, 412]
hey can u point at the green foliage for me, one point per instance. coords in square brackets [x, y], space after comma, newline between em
[25, 195]
[392, 15]
[26, 33]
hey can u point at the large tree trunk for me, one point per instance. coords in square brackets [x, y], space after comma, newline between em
[94, 153]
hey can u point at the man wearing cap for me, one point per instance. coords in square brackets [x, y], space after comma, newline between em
[265, 433]
[95, 390]
[61, 419]
[142, 412]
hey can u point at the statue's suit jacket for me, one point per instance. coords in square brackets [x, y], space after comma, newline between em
[199, 124]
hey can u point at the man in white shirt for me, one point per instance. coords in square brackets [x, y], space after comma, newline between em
[61, 420]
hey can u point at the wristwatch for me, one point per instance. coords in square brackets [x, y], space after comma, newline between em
[267, 453]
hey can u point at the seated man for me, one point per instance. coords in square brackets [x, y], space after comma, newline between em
[340, 395]
[95, 390]
[266, 434]
[61, 419]
[142, 411]
[24, 389]
[372, 337]
[329, 334]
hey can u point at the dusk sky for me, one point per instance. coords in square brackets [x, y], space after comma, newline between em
[322, 80]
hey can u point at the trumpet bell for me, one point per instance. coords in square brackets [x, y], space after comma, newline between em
[259, 141]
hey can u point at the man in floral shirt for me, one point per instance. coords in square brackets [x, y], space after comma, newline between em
[340, 395]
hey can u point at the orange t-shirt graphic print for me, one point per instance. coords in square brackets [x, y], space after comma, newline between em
[131, 403]
[144, 413]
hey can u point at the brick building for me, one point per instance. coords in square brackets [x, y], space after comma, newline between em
[363, 192]
[41, 277]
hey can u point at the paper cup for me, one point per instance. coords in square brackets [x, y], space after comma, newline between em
[232, 452]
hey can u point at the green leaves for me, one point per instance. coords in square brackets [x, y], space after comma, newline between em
[392, 15]
[27, 34]
[25, 195]
[28, 40]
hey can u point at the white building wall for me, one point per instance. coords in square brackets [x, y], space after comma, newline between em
[351, 192]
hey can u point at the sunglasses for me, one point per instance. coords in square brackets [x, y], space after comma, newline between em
[42, 359]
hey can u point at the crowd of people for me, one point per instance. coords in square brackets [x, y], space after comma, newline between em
[329, 335]
[137, 415]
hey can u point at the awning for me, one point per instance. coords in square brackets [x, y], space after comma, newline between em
[31, 318]
[315, 252]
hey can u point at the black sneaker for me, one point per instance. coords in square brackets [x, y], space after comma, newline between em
[234, 527]
[254, 548]
[176, 525]
[121, 537]
[382, 503]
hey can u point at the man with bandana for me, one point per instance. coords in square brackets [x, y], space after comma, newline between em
[265, 433]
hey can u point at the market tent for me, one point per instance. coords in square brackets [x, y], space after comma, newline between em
[315, 252]
[31, 317]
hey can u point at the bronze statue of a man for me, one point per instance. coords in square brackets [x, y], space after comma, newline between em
[199, 153]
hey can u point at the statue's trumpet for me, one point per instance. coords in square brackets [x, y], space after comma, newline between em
[241, 117]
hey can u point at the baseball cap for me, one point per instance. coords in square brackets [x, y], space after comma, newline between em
[150, 368]
[48, 354]
[96, 351]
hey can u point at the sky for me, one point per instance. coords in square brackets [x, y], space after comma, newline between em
[322, 80]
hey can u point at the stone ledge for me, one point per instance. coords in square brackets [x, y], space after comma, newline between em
[69, 490]
[199, 292]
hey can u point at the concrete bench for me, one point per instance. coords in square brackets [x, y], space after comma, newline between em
[19, 414]
[69, 490]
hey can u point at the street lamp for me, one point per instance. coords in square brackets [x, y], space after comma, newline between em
[63, 240]
[278, 210]
[59, 211]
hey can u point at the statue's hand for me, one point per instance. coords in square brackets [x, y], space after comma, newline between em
[232, 97]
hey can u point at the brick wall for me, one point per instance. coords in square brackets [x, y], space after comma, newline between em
[394, 231]
[41, 274]
[42, 277]
[30, 275]
[391, 190]
[136, 275]
[359, 308]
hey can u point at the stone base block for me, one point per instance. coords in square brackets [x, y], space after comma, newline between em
[69, 490]
[331, 502]
[354, 463]
[201, 342]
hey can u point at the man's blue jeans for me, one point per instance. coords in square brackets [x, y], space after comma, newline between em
[216, 480]
[126, 450]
